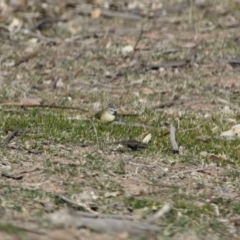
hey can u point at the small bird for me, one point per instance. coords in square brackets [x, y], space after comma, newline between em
[132, 144]
[106, 115]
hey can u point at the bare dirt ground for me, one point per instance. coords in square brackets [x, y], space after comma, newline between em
[158, 62]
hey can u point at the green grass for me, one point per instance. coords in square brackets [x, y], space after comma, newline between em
[55, 127]
[11, 229]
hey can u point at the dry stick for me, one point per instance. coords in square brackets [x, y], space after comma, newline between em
[146, 165]
[9, 175]
[191, 170]
[223, 101]
[108, 225]
[13, 134]
[112, 14]
[46, 20]
[76, 203]
[27, 57]
[28, 229]
[96, 215]
[18, 175]
[165, 209]
[173, 139]
[43, 38]
[16, 104]
[168, 104]
[139, 38]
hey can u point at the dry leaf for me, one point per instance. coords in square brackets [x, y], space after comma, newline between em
[127, 49]
[228, 21]
[236, 129]
[216, 157]
[75, 26]
[96, 13]
[147, 139]
[229, 133]
[111, 194]
[147, 91]
[15, 26]
[233, 133]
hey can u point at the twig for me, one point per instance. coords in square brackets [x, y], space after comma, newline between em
[26, 58]
[44, 21]
[112, 14]
[103, 216]
[145, 165]
[45, 39]
[81, 37]
[20, 174]
[18, 104]
[27, 229]
[171, 64]
[188, 171]
[84, 206]
[223, 101]
[13, 134]
[159, 214]
[202, 169]
[9, 175]
[139, 38]
[168, 104]
[173, 138]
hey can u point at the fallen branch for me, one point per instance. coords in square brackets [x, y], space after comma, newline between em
[84, 206]
[102, 224]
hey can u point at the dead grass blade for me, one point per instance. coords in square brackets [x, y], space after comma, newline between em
[201, 169]
[84, 206]
[159, 214]
[173, 138]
